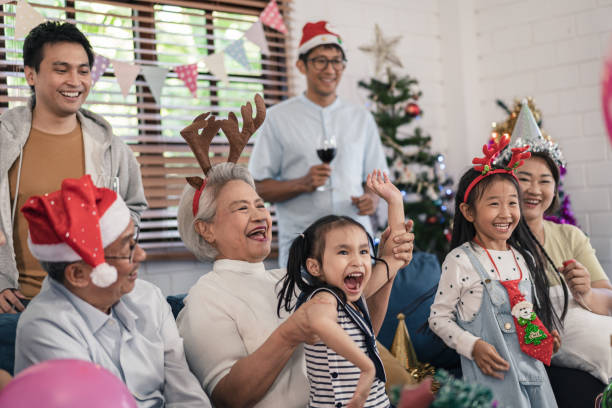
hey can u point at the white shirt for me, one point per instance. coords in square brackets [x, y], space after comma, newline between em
[229, 313]
[460, 291]
[285, 149]
[138, 342]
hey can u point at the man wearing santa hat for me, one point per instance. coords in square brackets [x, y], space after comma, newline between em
[284, 161]
[92, 306]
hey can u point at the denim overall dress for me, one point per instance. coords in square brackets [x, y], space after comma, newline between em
[526, 383]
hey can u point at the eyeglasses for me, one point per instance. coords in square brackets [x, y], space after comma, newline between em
[321, 63]
[133, 244]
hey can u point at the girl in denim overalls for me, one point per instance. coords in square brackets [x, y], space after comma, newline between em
[492, 303]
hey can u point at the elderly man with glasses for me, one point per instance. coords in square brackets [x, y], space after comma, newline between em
[284, 162]
[92, 306]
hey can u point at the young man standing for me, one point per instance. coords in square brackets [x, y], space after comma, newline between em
[50, 139]
[284, 161]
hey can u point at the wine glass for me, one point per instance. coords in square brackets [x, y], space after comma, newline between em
[326, 150]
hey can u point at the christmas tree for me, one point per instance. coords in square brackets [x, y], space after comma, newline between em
[564, 214]
[416, 170]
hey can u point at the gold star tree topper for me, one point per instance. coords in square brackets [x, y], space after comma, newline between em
[383, 50]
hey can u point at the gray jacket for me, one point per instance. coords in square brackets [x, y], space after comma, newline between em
[106, 157]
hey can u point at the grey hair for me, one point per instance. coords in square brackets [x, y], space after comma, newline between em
[218, 176]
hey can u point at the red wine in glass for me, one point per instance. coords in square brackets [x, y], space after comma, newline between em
[326, 155]
[326, 150]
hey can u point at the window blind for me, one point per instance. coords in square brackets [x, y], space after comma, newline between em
[163, 34]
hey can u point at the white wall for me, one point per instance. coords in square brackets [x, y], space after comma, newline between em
[553, 51]
[466, 54]
[417, 21]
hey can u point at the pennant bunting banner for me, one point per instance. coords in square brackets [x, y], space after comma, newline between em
[155, 77]
[257, 36]
[99, 68]
[238, 53]
[126, 74]
[271, 17]
[189, 75]
[216, 65]
[26, 19]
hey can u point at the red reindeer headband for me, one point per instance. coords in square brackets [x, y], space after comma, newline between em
[199, 135]
[485, 164]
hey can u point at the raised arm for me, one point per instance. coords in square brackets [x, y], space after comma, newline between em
[323, 317]
[379, 183]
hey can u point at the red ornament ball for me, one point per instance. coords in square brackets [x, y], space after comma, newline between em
[431, 219]
[413, 109]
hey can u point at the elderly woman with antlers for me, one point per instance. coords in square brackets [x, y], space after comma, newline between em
[242, 352]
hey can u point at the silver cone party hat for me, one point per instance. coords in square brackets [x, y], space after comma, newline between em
[527, 132]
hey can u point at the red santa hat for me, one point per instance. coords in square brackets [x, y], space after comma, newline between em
[315, 34]
[77, 222]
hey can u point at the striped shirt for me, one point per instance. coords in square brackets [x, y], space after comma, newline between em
[333, 378]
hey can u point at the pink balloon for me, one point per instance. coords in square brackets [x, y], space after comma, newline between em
[606, 94]
[66, 384]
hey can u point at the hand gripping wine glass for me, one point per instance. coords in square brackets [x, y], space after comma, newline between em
[326, 150]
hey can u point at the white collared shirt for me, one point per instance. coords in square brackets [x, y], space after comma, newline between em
[138, 342]
[229, 313]
[285, 149]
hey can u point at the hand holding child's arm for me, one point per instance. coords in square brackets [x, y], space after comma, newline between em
[488, 359]
[323, 320]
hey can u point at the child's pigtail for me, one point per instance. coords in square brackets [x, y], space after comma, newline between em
[298, 252]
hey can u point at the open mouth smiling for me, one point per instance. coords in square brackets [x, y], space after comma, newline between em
[502, 227]
[353, 281]
[258, 233]
[71, 94]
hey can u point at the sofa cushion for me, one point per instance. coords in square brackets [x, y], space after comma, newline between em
[176, 303]
[8, 331]
[412, 294]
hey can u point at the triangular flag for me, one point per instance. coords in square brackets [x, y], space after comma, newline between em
[271, 17]
[126, 74]
[155, 77]
[99, 68]
[4, 1]
[189, 75]
[256, 35]
[216, 65]
[26, 19]
[237, 52]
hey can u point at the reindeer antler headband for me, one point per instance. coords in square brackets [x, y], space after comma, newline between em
[485, 164]
[200, 132]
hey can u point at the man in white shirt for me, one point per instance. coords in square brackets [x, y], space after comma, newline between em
[284, 161]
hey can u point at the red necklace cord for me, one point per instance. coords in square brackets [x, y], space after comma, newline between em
[493, 262]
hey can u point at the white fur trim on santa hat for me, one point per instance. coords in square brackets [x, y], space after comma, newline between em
[112, 223]
[320, 40]
[104, 275]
